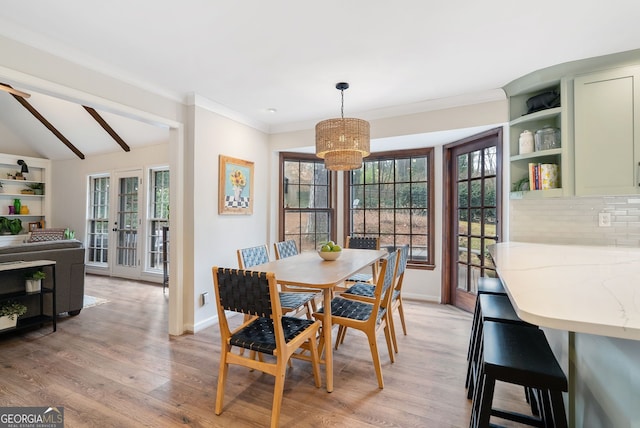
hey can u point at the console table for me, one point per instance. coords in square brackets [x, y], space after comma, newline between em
[18, 268]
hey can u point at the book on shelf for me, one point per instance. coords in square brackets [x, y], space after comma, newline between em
[543, 176]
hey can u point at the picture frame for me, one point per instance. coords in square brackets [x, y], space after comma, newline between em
[34, 225]
[235, 186]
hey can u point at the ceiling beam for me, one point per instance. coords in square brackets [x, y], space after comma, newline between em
[48, 125]
[8, 88]
[107, 128]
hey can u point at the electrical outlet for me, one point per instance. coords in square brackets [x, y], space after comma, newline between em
[204, 298]
[604, 219]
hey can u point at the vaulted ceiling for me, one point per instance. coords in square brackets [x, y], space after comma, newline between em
[254, 56]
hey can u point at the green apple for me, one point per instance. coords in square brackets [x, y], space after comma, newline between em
[325, 248]
[336, 248]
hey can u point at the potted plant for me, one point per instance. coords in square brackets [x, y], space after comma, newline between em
[9, 313]
[33, 281]
[69, 234]
[4, 226]
[15, 226]
[38, 188]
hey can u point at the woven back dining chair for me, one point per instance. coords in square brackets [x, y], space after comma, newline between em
[285, 249]
[255, 294]
[365, 292]
[288, 248]
[362, 243]
[249, 257]
[367, 317]
[294, 300]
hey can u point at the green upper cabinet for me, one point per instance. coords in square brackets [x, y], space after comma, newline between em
[607, 140]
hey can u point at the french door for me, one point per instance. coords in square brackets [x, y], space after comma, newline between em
[126, 224]
[473, 183]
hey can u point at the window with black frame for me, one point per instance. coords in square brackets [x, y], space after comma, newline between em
[391, 197]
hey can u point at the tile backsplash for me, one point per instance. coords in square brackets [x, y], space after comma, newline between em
[575, 221]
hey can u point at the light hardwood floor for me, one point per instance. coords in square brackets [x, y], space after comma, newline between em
[114, 365]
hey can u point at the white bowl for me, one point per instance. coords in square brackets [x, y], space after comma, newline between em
[329, 255]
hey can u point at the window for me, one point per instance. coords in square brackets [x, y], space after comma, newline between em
[158, 215]
[98, 220]
[391, 197]
[306, 199]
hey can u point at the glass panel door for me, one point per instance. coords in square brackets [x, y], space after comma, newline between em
[474, 177]
[126, 225]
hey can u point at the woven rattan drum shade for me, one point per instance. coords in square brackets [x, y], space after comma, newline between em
[342, 143]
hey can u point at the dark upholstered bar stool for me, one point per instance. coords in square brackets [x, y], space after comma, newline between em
[518, 355]
[490, 307]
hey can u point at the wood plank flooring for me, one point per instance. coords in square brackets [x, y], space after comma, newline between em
[114, 365]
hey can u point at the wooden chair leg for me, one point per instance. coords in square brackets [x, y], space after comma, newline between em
[278, 389]
[401, 312]
[375, 357]
[342, 331]
[387, 335]
[392, 327]
[222, 377]
[315, 362]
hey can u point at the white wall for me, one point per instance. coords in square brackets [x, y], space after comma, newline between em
[418, 284]
[217, 237]
[70, 177]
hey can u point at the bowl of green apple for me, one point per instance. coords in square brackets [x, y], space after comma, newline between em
[330, 251]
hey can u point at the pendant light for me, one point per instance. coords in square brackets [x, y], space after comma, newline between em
[342, 142]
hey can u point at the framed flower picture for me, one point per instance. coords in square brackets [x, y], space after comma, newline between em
[235, 186]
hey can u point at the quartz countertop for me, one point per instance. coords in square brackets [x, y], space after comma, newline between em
[582, 289]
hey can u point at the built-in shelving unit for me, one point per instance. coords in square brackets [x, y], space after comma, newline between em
[38, 204]
[520, 121]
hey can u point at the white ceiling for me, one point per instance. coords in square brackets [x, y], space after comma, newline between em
[253, 55]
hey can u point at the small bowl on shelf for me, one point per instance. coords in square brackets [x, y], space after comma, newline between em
[329, 255]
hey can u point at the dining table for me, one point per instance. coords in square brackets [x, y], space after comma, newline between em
[309, 270]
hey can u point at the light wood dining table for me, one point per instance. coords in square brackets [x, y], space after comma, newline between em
[308, 270]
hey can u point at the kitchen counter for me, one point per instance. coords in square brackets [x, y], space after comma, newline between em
[582, 289]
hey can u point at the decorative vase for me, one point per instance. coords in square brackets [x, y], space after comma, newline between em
[237, 191]
[12, 209]
[16, 206]
[24, 209]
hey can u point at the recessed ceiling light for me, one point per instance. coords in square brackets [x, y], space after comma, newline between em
[272, 110]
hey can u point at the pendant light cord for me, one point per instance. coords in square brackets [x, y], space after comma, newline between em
[342, 103]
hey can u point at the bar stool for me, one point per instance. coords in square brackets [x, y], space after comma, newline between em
[518, 355]
[486, 285]
[490, 307]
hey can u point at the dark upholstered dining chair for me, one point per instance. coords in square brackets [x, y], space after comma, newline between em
[255, 294]
[367, 317]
